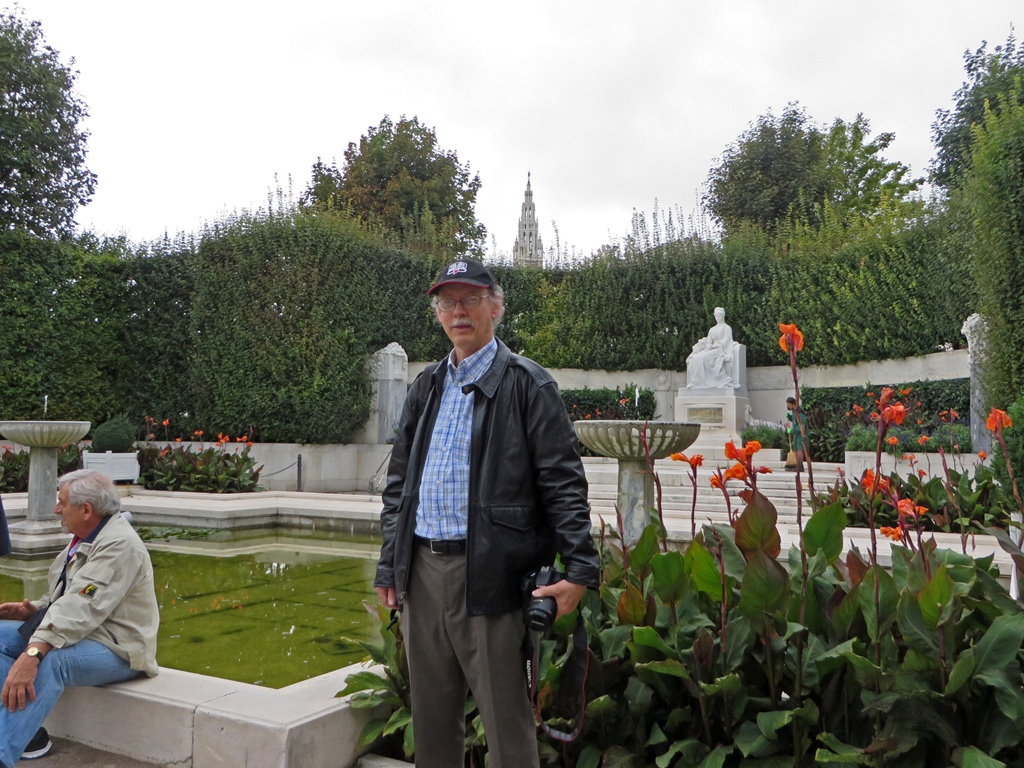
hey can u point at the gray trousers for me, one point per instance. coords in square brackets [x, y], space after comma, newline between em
[450, 652]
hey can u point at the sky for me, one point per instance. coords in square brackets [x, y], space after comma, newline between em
[201, 109]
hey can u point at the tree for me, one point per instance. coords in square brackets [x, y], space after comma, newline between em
[43, 178]
[787, 168]
[989, 76]
[398, 178]
[994, 187]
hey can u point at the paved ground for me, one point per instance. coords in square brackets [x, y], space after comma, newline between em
[68, 754]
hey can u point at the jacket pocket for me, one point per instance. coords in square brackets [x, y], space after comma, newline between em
[521, 518]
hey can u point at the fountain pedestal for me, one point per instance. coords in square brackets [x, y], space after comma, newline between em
[624, 440]
[40, 534]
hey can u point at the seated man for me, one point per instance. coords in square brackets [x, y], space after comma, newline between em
[96, 625]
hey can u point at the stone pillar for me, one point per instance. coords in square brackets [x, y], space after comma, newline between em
[389, 369]
[976, 330]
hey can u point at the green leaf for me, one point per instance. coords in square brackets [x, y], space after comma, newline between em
[704, 570]
[752, 742]
[1000, 644]
[962, 670]
[649, 637]
[641, 553]
[620, 757]
[671, 583]
[765, 590]
[972, 757]
[934, 597]
[840, 752]
[824, 531]
[878, 618]
[912, 626]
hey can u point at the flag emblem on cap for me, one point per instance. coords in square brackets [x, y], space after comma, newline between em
[458, 266]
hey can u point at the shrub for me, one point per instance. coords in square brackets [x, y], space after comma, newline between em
[116, 434]
[768, 435]
[607, 403]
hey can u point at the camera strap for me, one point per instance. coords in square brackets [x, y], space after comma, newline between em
[573, 677]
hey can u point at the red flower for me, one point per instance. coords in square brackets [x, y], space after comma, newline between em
[895, 413]
[791, 337]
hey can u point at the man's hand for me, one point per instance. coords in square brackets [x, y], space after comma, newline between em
[387, 597]
[17, 611]
[566, 594]
[20, 686]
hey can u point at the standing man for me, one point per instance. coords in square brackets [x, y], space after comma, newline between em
[97, 624]
[796, 418]
[484, 486]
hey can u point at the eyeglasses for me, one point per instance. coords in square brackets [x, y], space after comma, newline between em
[469, 303]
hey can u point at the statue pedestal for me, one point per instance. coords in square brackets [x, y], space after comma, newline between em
[721, 416]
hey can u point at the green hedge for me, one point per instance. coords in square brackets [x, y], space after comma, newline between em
[261, 324]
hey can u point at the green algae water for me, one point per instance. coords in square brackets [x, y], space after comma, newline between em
[282, 610]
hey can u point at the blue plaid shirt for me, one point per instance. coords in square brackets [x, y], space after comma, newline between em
[444, 489]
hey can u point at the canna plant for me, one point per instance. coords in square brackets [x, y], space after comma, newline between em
[731, 653]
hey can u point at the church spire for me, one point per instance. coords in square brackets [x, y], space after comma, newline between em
[528, 250]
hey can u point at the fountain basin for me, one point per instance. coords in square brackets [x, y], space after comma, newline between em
[44, 434]
[622, 439]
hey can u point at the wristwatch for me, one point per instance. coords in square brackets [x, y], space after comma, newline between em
[35, 653]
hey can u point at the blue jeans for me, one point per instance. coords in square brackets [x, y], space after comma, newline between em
[84, 663]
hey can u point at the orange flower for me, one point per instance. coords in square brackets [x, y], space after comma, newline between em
[716, 482]
[883, 485]
[868, 480]
[892, 440]
[165, 422]
[896, 534]
[953, 415]
[750, 448]
[904, 392]
[731, 452]
[678, 457]
[909, 457]
[858, 409]
[869, 394]
[982, 455]
[736, 472]
[887, 393]
[923, 440]
[791, 337]
[895, 413]
[198, 433]
[177, 439]
[905, 507]
[921, 473]
[997, 420]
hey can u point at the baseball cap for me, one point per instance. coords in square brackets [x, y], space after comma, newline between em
[463, 272]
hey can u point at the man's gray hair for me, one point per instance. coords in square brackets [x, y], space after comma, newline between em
[499, 293]
[92, 486]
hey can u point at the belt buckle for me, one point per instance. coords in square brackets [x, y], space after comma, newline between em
[441, 544]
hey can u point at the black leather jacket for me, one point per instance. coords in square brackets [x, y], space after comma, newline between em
[527, 488]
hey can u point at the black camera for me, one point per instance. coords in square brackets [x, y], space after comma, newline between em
[540, 611]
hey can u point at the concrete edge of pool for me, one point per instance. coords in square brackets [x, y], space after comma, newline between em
[184, 719]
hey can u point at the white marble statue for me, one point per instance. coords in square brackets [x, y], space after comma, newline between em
[710, 364]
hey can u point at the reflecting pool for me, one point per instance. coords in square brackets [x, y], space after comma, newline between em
[265, 609]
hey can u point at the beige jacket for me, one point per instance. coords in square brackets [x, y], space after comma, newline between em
[110, 597]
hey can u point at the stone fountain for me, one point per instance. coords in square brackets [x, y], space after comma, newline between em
[40, 532]
[624, 440]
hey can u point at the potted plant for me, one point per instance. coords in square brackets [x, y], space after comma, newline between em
[113, 450]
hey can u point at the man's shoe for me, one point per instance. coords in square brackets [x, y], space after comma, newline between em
[39, 745]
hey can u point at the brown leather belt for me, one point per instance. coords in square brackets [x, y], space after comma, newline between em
[442, 546]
